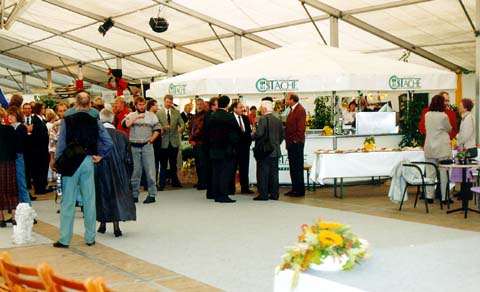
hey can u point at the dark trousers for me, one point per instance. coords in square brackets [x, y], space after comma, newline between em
[209, 178]
[295, 161]
[168, 156]
[242, 160]
[221, 177]
[201, 165]
[39, 171]
[267, 177]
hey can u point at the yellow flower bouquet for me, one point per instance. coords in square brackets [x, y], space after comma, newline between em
[322, 243]
[369, 143]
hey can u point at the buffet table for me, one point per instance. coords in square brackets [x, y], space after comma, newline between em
[313, 142]
[350, 163]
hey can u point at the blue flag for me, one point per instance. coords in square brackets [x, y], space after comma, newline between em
[3, 99]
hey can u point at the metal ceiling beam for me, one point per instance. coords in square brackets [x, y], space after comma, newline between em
[29, 73]
[389, 5]
[216, 22]
[6, 77]
[366, 9]
[421, 46]
[4, 84]
[17, 11]
[90, 44]
[71, 61]
[133, 31]
[58, 70]
[383, 34]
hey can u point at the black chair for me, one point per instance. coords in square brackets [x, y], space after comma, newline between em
[421, 182]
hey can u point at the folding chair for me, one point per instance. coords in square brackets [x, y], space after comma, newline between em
[101, 285]
[56, 283]
[20, 278]
[421, 181]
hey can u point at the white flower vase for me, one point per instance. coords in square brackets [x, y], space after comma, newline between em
[330, 264]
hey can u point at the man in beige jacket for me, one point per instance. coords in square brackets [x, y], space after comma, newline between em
[172, 127]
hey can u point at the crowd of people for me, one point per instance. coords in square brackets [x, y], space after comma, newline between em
[103, 154]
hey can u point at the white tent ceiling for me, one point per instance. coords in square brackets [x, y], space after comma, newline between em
[54, 33]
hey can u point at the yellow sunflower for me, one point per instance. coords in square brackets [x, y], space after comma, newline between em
[329, 225]
[327, 238]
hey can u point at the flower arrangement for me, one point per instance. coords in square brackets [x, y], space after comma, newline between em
[309, 122]
[327, 131]
[320, 243]
[462, 153]
[369, 143]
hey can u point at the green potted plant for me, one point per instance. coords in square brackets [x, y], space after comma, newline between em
[322, 115]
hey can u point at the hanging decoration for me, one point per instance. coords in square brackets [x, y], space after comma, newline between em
[120, 84]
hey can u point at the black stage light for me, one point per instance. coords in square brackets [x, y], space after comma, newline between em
[108, 24]
[158, 24]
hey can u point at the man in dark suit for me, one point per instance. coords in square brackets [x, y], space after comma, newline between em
[242, 149]
[295, 138]
[27, 114]
[212, 106]
[267, 168]
[222, 138]
[38, 150]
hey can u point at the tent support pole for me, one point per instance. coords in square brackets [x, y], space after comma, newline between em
[119, 62]
[169, 62]
[334, 31]
[238, 46]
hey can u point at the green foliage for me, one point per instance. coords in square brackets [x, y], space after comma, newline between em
[455, 109]
[410, 114]
[323, 115]
[47, 101]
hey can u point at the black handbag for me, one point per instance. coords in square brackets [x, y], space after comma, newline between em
[473, 152]
[71, 159]
[263, 147]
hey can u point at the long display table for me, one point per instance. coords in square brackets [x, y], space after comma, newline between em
[359, 164]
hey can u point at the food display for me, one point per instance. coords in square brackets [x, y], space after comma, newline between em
[363, 150]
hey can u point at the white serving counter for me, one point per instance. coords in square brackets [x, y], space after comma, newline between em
[314, 142]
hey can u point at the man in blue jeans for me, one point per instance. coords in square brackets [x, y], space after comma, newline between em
[144, 130]
[92, 136]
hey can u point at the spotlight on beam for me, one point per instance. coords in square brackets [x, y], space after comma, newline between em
[158, 24]
[108, 24]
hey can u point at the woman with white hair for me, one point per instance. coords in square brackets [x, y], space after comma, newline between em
[114, 197]
[269, 127]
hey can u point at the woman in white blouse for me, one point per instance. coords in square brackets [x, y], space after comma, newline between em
[466, 135]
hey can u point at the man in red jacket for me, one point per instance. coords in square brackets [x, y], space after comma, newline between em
[121, 112]
[452, 117]
[295, 139]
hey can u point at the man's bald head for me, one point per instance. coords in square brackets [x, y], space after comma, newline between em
[83, 99]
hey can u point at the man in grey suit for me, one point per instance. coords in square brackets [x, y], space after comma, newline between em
[267, 168]
[172, 127]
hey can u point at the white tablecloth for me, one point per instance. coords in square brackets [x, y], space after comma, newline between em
[361, 164]
[308, 283]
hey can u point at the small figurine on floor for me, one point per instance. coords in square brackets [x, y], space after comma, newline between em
[24, 217]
